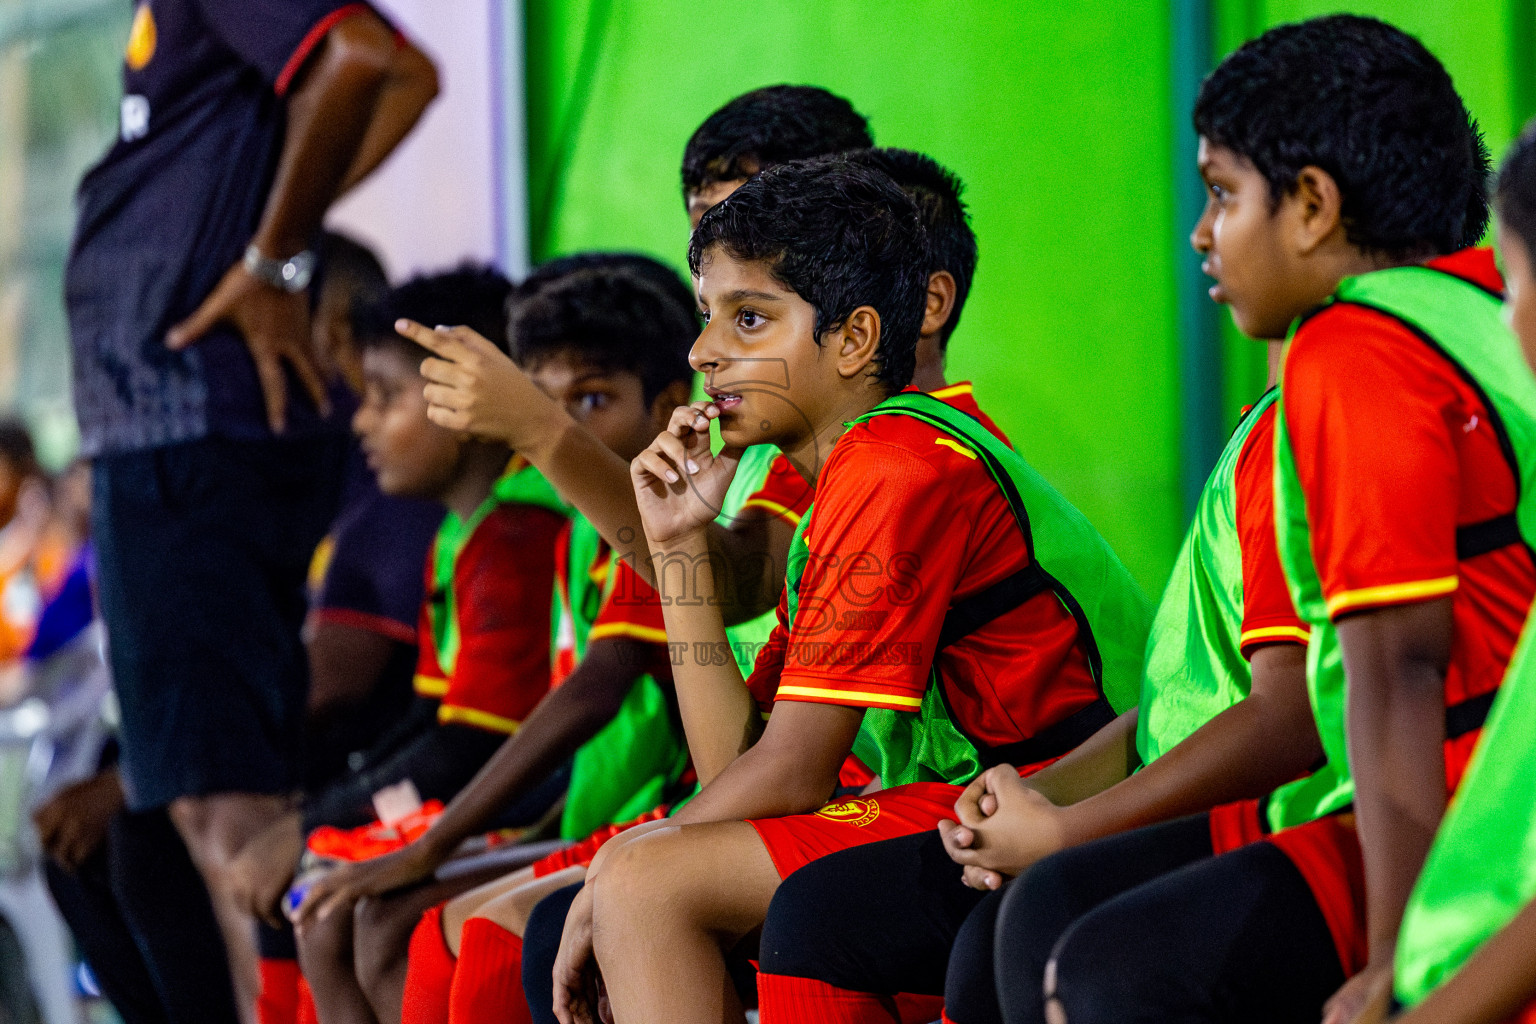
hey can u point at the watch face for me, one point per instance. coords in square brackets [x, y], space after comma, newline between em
[298, 271]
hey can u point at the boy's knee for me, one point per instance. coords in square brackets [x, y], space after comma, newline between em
[1037, 908]
[216, 826]
[325, 941]
[1095, 976]
[632, 877]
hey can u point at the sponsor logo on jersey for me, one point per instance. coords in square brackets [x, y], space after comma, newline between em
[141, 38]
[135, 118]
[851, 812]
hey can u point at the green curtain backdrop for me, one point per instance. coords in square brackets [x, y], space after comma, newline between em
[1058, 118]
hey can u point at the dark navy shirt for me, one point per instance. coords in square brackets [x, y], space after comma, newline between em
[368, 574]
[171, 207]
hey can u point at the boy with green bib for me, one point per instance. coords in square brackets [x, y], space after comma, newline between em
[1224, 632]
[1346, 179]
[931, 651]
[486, 619]
[1463, 954]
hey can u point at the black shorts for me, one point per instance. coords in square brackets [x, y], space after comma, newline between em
[203, 550]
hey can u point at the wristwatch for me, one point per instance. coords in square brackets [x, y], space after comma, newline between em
[290, 275]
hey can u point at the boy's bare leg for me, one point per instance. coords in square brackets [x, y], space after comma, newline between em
[666, 908]
[510, 906]
[325, 957]
[381, 930]
[215, 828]
[463, 906]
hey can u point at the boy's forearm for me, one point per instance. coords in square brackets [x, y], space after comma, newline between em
[597, 482]
[793, 769]
[568, 717]
[719, 715]
[1247, 750]
[1395, 661]
[1099, 762]
[412, 85]
[1493, 986]
[1399, 770]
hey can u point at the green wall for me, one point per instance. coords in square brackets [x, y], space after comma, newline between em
[1058, 118]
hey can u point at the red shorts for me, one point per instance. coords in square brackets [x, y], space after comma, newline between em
[795, 841]
[1327, 853]
[1235, 825]
[580, 854]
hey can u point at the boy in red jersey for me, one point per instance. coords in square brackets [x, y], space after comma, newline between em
[1463, 955]
[611, 348]
[813, 273]
[1395, 488]
[484, 624]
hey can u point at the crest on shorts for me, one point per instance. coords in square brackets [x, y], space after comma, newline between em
[851, 812]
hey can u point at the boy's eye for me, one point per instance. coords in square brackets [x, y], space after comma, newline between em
[749, 318]
[592, 401]
[1218, 193]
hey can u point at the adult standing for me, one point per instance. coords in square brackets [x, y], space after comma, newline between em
[200, 400]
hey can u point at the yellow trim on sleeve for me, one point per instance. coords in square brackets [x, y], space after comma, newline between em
[429, 686]
[852, 696]
[783, 512]
[649, 634]
[1392, 593]
[1274, 633]
[949, 442]
[481, 719]
[952, 391]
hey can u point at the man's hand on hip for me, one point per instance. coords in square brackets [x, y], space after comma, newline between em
[275, 326]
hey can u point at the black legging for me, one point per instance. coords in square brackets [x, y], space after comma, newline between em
[541, 943]
[1149, 927]
[877, 918]
[1155, 930]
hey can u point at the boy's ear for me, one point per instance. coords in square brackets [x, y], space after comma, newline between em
[1317, 208]
[857, 341]
[663, 405]
[941, 301]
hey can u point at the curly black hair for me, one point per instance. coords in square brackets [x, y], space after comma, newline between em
[841, 235]
[612, 318]
[472, 295]
[1367, 103]
[946, 221]
[1515, 192]
[769, 126]
[652, 270]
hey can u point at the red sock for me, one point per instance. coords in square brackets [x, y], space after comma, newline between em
[279, 999]
[782, 999]
[428, 973]
[306, 1013]
[488, 986]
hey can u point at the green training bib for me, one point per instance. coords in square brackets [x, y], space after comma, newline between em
[1465, 324]
[1195, 667]
[1070, 558]
[520, 485]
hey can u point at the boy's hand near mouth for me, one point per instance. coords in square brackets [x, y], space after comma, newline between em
[679, 484]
